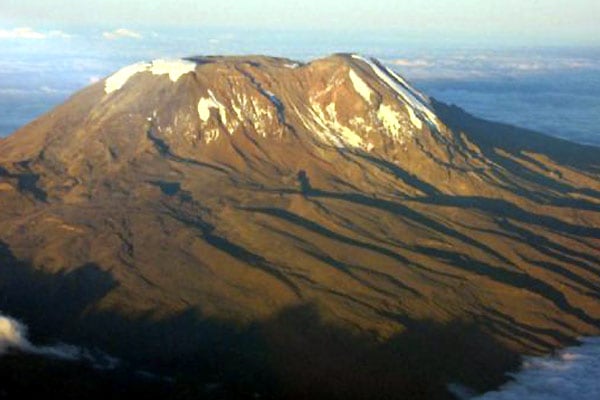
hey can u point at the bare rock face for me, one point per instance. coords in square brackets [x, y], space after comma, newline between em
[235, 189]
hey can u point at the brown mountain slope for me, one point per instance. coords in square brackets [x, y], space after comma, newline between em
[235, 189]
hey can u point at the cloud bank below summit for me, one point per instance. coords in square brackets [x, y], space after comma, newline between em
[122, 33]
[14, 337]
[31, 34]
[571, 374]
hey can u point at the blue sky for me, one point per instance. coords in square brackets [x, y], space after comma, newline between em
[536, 22]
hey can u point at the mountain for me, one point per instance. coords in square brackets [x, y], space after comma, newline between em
[297, 230]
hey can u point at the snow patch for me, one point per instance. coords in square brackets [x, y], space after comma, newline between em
[241, 111]
[333, 82]
[408, 86]
[360, 86]
[174, 68]
[211, 135]
[318, 126]
[329, 129]
[347, 135]
[205, 104]
[416, 121]
[392, 121]
[409, 95]
[250, 110]
[120, 78]
[360, 123]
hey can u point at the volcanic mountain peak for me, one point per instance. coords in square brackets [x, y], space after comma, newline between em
[346, 101]
[236, 188]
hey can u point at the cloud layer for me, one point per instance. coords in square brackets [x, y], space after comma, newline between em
[13, 337]
[571, 374]
[476, 65]
[29, 33]
[122, 33]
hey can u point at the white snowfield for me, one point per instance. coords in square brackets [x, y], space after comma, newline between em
[174, 68]
[206, 103]
[412, 97]
[360, 86]
[392, 121]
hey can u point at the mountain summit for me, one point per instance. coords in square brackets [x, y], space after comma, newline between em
[241, 114]
[180, 199]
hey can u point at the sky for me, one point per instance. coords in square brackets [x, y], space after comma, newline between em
[535, 22]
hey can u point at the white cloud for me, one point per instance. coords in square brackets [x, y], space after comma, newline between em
[572, 374]
[50, 90]
[13, 336]
[29, 33]
[13, 92]
[473, 66]
[20, 92]
[21, 33]
[413, 63]
[59, 34]
[122, 33]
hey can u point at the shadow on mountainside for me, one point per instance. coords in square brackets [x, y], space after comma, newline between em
[495, 135]
[511, 147]
[49, 303]
[313, 358]
[295, 354]
[506, 214]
